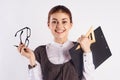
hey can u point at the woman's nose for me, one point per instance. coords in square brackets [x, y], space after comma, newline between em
[58, 25]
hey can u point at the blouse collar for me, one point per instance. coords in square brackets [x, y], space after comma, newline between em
[66, 44]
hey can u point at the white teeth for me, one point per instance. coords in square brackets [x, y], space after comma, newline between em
[59, 31]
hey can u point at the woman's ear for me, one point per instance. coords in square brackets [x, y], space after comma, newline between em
[48, 25]
[71, 24]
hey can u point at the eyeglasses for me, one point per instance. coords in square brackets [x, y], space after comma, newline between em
[28, 34]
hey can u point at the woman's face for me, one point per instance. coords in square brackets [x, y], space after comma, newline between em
[60, 25]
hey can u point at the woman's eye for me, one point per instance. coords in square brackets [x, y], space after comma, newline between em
[63, 22]
[54, 22]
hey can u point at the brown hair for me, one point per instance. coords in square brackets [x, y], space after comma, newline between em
[62, 9]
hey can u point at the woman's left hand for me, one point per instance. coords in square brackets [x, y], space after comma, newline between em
[84, 43]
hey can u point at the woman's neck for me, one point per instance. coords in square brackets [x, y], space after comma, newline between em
[60, 41]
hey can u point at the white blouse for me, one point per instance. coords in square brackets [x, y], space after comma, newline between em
[59, 54]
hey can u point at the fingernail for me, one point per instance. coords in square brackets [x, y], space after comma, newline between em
[21, 43]
[25, 49]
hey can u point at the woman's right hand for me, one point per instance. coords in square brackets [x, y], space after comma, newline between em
[28, 53]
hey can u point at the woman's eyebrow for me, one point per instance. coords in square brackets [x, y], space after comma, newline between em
[54, 19]
[65, 19]
[62, 19]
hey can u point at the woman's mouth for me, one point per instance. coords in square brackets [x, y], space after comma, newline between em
[60, 31]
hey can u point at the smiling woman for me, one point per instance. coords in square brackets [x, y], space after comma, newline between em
[60, 22]
[53, 60]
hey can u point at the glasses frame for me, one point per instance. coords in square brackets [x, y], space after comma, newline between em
[28, 34]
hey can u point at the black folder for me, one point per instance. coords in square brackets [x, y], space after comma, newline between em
[100, 48]
[100, 51]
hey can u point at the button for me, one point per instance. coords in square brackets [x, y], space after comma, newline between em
[61, 45]
[106, 47]
[102, 36]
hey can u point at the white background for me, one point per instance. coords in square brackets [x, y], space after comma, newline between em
[16, 14]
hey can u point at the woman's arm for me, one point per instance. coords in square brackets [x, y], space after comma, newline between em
[35, 73]
[88, 67]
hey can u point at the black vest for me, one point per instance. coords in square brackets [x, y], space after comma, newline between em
[65, 71]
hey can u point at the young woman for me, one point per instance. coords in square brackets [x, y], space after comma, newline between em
[53, 61]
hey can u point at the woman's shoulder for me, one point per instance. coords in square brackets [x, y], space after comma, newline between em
[40, 47]
[39, 52]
